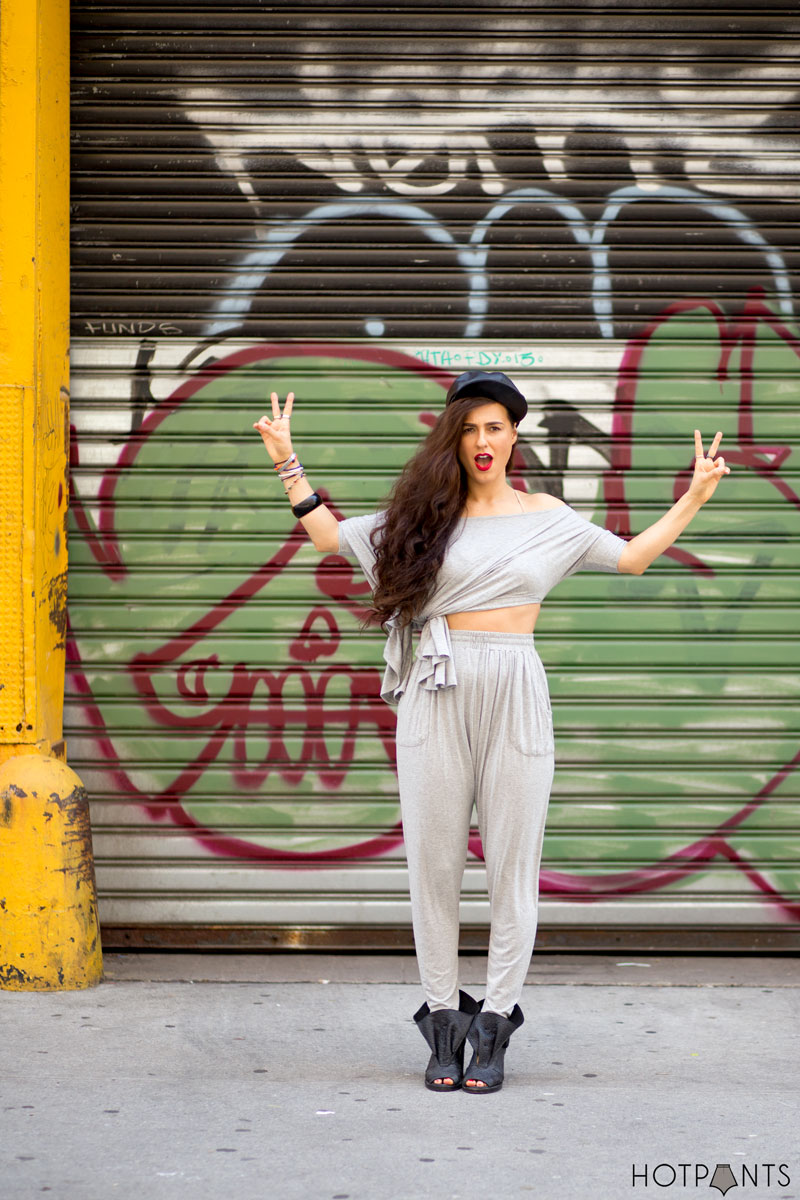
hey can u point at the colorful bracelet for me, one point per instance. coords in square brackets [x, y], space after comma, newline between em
[289, 471]
[289, 486]
[295, 470]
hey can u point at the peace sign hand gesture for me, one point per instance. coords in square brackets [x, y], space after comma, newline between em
[708, 470]
[275, 433]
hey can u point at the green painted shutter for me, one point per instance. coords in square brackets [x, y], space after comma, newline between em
[357, 202]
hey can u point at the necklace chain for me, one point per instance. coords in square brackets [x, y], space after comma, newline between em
[522, 508]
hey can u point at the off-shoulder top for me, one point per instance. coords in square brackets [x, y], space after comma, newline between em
[491, 562]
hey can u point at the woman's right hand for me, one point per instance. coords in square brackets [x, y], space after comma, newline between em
[275, 433]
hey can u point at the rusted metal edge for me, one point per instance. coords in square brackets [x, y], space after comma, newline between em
[754, 940]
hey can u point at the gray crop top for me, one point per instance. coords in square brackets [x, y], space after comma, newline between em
[491, 562]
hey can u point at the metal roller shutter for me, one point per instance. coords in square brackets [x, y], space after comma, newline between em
[356, 202]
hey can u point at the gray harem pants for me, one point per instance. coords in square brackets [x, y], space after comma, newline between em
[487, 741]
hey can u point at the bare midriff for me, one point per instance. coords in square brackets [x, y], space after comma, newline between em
[518, 618]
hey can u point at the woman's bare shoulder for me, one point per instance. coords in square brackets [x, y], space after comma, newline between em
[539, 501]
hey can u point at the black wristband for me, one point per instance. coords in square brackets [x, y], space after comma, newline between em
[308, 505]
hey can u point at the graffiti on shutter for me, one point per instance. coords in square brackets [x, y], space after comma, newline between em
[608, 215]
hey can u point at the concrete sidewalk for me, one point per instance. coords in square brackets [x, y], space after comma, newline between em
[300, 1076]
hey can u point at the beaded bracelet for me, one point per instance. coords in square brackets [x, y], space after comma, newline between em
[292, 471]
[289, 471]
[288, 464]
[289, 486]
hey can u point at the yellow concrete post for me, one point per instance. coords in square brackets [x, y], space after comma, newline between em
[49, 905]
[48, 938]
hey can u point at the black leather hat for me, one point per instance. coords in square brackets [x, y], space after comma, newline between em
[489, 385]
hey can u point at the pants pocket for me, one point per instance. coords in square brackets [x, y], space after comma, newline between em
[530, 718]
[531, 731]
[413, 716]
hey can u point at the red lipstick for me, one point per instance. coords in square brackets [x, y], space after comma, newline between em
[483, 461]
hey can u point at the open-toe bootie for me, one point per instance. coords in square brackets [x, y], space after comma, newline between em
[445, 1031]
[489, 1035]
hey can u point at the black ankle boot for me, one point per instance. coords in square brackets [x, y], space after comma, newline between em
[445, 1031]
[489, 1035]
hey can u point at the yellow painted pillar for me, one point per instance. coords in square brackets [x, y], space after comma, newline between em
[49, 937]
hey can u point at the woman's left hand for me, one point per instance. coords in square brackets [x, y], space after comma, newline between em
[708, 470]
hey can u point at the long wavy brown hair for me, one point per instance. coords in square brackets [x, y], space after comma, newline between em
[421, 514]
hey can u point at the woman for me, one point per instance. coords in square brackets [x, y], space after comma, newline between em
[465, 559]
